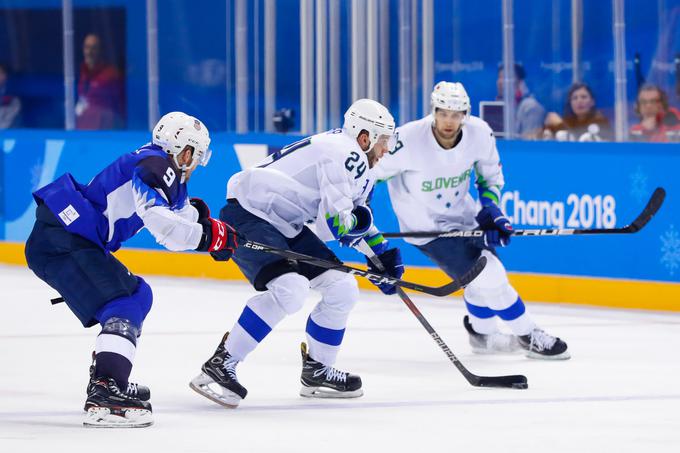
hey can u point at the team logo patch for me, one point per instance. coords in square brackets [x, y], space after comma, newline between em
[197, 125]
[68, 215]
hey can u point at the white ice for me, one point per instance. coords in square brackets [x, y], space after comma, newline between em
[618, 393]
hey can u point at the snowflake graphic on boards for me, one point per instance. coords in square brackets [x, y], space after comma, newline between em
[638, 185]
[670, 249]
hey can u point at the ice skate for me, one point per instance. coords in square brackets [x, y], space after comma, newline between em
[134, 390]
[540, 345]
[218, 381]
[109, 407]
[321, 381]
[495, 343]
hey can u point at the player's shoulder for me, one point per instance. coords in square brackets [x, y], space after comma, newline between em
[478, 126]
[413, 128]
[153, 168]
[335, 143]
[157, 170]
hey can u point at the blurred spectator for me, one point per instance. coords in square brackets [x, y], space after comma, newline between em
[658, 121]
[101, 98]
[284, 120]
[10, 106]
[581, 122]
[529, 114]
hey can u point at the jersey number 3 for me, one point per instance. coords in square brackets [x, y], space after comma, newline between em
[350, 164]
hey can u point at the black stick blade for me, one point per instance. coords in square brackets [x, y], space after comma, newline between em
[456, 285]
[516, 381]
[474, 271]
[653, 206]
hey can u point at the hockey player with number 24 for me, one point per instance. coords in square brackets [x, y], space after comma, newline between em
[79, 226]
[428, 176]
[324, 180]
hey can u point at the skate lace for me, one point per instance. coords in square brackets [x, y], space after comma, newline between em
[230, 368]
[542, 340]
[132, 389]
[331, 373]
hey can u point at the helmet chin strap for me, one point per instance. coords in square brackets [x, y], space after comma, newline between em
[182, 169]
[183, 176]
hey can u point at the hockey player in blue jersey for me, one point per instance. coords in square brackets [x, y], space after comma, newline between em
[77, 228]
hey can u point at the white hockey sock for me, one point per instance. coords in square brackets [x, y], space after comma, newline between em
[258, 318]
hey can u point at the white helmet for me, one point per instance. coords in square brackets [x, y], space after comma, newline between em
[373, 117]
[450, 96]
[176, 130]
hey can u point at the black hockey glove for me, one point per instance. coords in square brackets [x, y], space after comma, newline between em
[201, 207]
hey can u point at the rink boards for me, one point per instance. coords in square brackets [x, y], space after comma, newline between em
[547, 185]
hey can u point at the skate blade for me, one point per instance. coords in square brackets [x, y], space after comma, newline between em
[201, 384]
[487, 351]
[322, 392]
[101, 417]
[534, 355]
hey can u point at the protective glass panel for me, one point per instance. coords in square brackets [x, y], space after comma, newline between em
[544, 69]
[101, 63]
[653, 63]
[192, 60]
[468, 48]
[31, 65]
[565, 71]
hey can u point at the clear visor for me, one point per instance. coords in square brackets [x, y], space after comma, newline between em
[390, 141]
[204, 157]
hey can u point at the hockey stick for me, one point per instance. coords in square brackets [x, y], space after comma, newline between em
[517, 381]
[440, 291]
[645, 216]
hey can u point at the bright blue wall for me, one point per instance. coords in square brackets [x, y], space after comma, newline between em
[535, 171]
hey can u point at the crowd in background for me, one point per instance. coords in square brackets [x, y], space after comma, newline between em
[581, 120]
[101, 105]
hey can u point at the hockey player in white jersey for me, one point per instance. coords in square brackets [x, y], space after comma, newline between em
[322, 180]
[428, 177]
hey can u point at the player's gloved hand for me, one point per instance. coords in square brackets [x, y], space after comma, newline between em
[493, 239]
[201, 207]
[491, 218]
[219, 238]
[394, 267]
[362, 219]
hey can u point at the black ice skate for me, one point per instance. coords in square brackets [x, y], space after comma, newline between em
[321, 381]
[496, 343]
[109, 407]
[218, 381]
[540, 345]
[134, 390]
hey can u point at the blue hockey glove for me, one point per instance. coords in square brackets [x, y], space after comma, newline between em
[394, 267]
[492, 219]
[493, 239]
[362, 219]
[201, 207]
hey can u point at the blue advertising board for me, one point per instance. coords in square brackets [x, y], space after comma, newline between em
[548, 184]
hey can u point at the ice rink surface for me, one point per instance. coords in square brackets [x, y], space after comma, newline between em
[618, 393]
